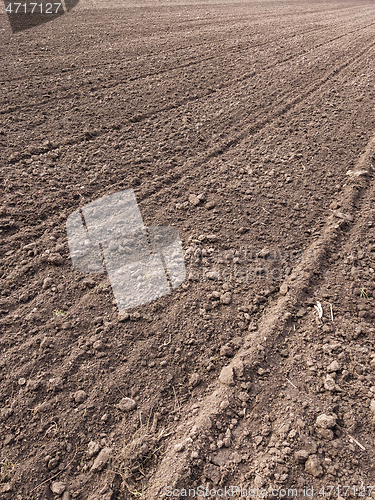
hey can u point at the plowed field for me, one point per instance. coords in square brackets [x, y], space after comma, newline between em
[250, 128]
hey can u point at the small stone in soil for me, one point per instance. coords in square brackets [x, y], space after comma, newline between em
[194, 380]
[226, 350]
[80, 396]
[325, 421]
[93, 448]
[226, 376]
[56, 259]
[123, 316]
[226, 298]
[194, 200]
[301, 456]
[127, 404]
[179, 447]
[58, 487]
[312, 466]
[101, 460]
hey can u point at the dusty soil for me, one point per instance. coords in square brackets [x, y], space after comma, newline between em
[259, 110]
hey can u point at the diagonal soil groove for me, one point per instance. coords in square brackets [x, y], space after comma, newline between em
[174, 469]
[246, 154]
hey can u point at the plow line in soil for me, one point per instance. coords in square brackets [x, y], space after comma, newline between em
[272, 113]
[173, 470]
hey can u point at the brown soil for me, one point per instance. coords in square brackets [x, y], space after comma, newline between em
[261, 108]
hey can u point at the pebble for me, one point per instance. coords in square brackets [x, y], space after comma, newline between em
[46, 343]
[253, 326]
[325, 421]
[213, 275]
[101, 460]
[243, 396]
[126, 404]
[123, 316]
[372, 406]
[5, 413]
[55, 384]
[80, 396]
[226, 376]
[88, 283]
[226, 298]
[30, 246]
[212, 237]
[238, 367]
[58, 487]
[194, 380]
[47, 283]
[56, 259]
[195, 276]
[329, 383]
[313, 467]
[194, 200]
[226, 350]
[259, 481]
[324, 433]
[21, 381]
[212, 472]
[179, 447]
[45, 407]
[284, 289]
[53, 462]
[98, 345]
[301, 456]
[93, 448]
[227, 442]
[333, 367]
[343, 216]
[8, 439]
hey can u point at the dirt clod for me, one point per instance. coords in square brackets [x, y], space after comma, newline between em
[127, 404]
[102, 459]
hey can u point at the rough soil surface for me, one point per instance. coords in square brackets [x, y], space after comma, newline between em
[250, 128]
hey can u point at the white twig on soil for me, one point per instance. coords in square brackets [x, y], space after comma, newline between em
[167, 343]
[356, 442]
[319, 308]
[291, 383]
[331, 311]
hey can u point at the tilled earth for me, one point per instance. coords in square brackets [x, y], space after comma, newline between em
[250, 128]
